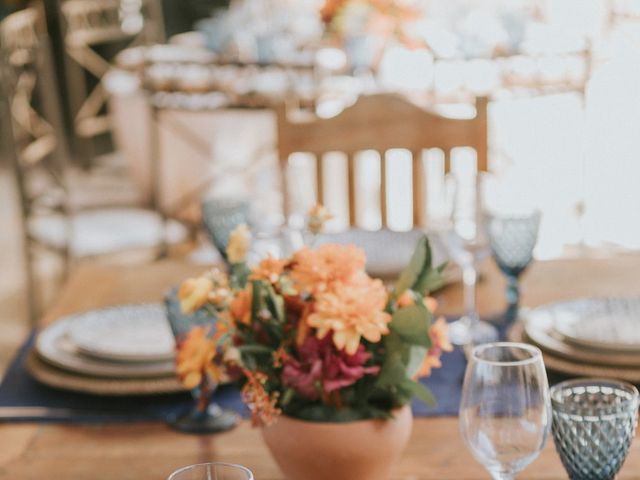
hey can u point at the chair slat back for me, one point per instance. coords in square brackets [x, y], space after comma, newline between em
[91, 23]
[37, 137]
[380, 123]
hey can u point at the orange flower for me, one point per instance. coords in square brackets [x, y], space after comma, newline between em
[239, 244]
[430, 362]
[439, 333]
[318, 216]
[431, 303]
[194, 293]
[240, 306]
[315, 270]
[262, 405]
[329, 9]
[439, 343]
[352, 310]
[194, 359]
[268, 269]
[406, 299]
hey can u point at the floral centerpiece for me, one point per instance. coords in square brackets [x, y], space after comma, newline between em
[314, 338]
[365, 26]
[379, 17]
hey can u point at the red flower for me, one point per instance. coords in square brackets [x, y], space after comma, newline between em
[322, 369]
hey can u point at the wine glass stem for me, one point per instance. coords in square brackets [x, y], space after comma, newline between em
[513, 290]
[469, 278]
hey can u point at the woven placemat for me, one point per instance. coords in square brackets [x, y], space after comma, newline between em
[62, 379]
[568, 367]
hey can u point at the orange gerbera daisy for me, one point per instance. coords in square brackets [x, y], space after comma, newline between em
[315, 270]
[351, 311]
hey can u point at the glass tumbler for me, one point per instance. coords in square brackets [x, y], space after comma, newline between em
[212, 471]
[594, 423]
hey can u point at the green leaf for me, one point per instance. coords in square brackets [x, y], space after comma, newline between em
[412, 324]
[393, 371]
[430, 280]
[421, 392]
[420, 259]
[416, 356]
[255, 349]
[275, 303]
[256, 298]
[239, 275]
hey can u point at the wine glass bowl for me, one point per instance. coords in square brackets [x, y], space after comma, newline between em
[594, 423]
[505, 413]
[212, 471]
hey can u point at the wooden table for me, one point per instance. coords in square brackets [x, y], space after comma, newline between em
[152, 450]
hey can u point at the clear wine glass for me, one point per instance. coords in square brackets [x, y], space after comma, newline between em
[505, 412]
[512, 239]
[468, 243]
[212, 471]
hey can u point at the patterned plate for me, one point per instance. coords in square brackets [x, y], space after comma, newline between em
[388, 252]
[539, 329]
[577, 368]
[54, 347]
[611, 324]
[127, 333]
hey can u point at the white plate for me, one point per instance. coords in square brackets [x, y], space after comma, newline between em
[388, 252]
[601, 323]
[53, 346]
[539, 329]
[126, 333]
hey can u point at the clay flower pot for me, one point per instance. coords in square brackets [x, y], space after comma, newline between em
[362, 450]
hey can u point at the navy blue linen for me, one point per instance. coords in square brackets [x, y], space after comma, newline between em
[18, 389]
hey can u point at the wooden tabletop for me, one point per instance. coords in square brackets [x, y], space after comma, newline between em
[152, 450]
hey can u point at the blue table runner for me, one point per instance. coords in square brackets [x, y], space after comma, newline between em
[19, 389]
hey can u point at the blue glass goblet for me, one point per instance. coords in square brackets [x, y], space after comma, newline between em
[204, 416]
[512, 239]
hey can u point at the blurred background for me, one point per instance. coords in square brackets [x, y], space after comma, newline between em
[119, 117]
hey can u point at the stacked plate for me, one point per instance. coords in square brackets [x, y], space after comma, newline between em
[121, 350]
[587, 337]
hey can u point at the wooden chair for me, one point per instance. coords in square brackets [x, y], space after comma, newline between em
[51, 221]
[381, 122]
[101, 23]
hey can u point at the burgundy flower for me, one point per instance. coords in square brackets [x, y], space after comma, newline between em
[321, 368]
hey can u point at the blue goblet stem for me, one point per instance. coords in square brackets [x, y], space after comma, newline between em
[513, 291]
[513, 299]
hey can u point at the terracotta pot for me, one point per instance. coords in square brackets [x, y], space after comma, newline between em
[362, 450]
